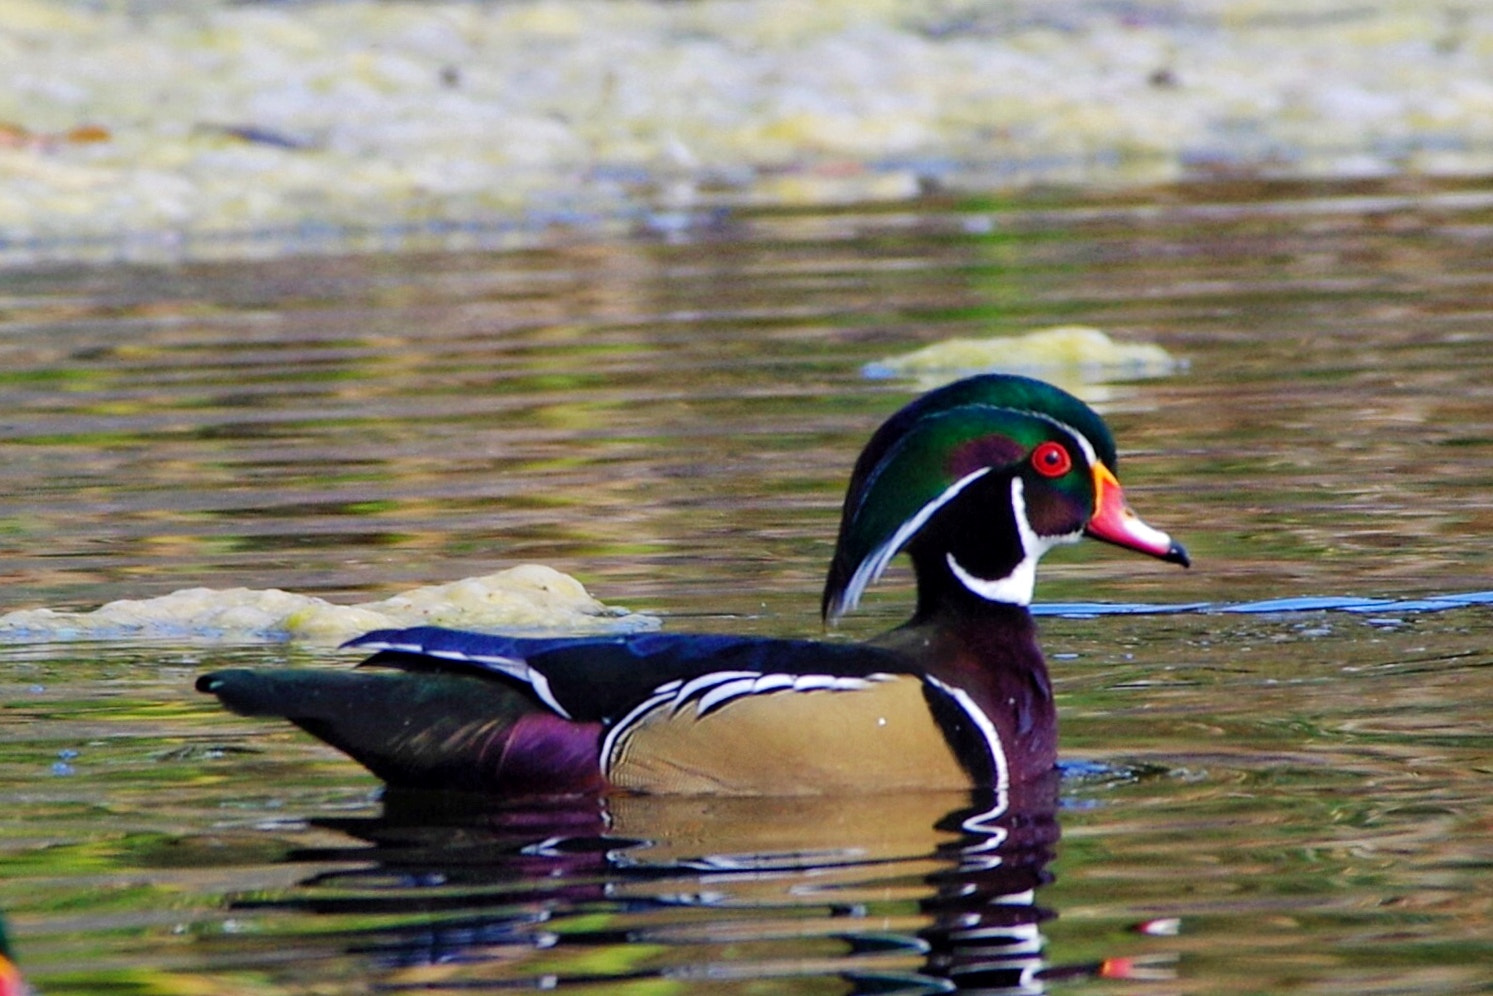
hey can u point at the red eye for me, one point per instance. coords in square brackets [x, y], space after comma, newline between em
[1051, 460]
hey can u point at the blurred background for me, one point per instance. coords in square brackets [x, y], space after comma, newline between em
[151, 129]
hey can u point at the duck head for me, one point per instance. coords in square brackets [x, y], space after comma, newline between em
[976, 481]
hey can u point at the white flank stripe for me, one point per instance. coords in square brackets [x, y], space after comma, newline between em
[987, 853]
[609, 743]
[772, 683]
[814, 683]
[695, 686]
[724, 692]
[735, 688]
[987, 730]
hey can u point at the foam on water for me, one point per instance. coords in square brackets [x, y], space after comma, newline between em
[521, 599]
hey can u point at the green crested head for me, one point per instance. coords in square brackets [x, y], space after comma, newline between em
[980, 478]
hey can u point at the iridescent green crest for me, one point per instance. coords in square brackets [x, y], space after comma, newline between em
[928, 452]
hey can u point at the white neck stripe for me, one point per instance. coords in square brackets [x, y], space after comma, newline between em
[1017, 587]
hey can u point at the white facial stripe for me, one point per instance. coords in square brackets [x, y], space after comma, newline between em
[1083, 444]
[1017, 587]
[1078, 437]
[871, 568]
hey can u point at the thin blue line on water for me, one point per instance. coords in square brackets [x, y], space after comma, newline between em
[1305, 603]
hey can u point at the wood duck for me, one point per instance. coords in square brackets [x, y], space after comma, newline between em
[975, 481]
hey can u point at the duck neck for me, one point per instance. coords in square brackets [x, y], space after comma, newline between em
[973, 566]
[973, 630]
[973, 599]
[998, 635]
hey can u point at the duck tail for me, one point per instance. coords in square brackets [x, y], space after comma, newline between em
[433, 731]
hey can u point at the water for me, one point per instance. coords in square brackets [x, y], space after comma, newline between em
[1291, 798]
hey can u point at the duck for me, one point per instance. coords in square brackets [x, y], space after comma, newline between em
[974, 482]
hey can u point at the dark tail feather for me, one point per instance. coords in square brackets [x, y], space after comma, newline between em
[292, 695]
[427, 730]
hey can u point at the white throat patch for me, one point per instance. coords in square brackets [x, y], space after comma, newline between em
[1017, 587]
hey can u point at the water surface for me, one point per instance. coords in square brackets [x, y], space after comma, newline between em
[1262, 801]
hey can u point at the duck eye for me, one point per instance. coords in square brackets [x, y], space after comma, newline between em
[1051, 460]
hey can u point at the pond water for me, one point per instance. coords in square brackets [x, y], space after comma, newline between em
[1258, 796]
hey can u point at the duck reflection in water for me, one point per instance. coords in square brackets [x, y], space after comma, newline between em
[914, 892]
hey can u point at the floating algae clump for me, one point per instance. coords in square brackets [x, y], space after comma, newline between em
[530, 598]
[1068, 354]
